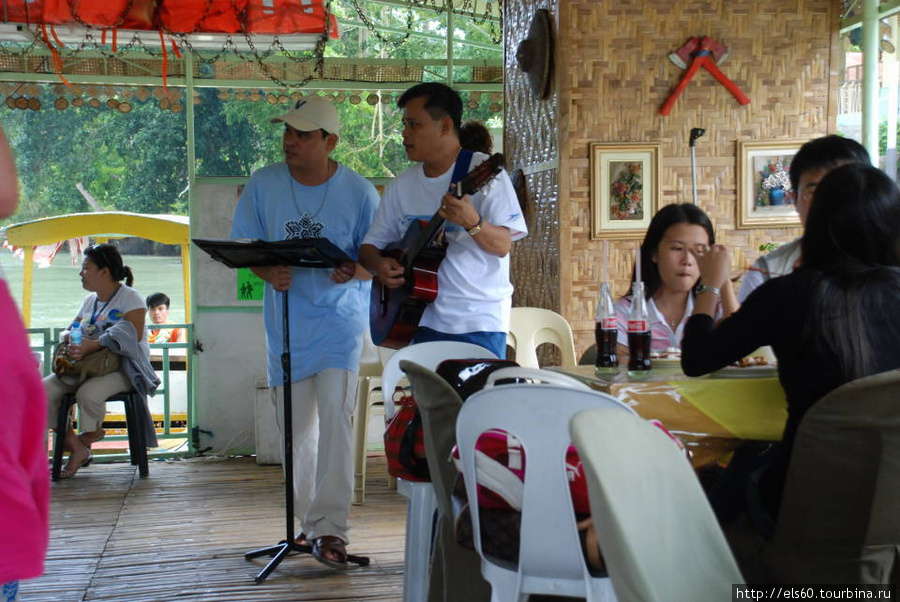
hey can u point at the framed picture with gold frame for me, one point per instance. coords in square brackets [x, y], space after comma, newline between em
[764, 195]
[624, 188]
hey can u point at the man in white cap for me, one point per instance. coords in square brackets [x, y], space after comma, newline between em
[312, 195]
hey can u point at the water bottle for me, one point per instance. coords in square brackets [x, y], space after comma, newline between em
[607, 331]
[75, 334]
[638, 331]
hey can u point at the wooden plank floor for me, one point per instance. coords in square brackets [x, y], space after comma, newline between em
[182, 533]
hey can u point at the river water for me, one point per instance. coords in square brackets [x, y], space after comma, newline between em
[57, 292]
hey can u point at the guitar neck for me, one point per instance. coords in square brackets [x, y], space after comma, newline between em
[426, 237]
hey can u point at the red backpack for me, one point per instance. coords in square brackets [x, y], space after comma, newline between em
[404, 441]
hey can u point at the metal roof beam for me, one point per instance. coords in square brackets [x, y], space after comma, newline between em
[461, 13]
[428, 36]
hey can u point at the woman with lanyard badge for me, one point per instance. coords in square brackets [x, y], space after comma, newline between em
[112, 316]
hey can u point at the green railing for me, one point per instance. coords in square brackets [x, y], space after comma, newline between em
[177, 357]
[168, 359]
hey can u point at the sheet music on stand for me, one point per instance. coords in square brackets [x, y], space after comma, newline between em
[298, 252]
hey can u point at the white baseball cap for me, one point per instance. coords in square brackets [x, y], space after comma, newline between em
[311, 114]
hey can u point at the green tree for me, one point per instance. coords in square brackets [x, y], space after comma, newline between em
[137, 161]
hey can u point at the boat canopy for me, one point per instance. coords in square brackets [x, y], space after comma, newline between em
[101, 226]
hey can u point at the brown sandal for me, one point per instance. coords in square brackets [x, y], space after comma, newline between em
[73, 465]
[329, 545]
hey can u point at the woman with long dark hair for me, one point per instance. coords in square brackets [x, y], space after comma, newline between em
[670, 275]
[111, 317]
[828, 322]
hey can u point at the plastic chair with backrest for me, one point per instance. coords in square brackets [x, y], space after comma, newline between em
[369, 382]
[428, 355]
[529, 327]
[589, 357]
[550, 553]
[534, 376]
[421, 507]
[838, 521]
[454, 568]
[136, 421]
[659, 536]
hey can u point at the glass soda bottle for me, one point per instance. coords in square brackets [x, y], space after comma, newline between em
[607, 331]
[638, 331]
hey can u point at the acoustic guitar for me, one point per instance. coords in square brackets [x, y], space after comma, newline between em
[394, 314]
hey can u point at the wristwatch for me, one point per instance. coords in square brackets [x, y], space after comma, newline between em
[476, 228]
[703, 288]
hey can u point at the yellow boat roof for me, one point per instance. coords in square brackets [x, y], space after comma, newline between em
[102, 226]
[167, 229]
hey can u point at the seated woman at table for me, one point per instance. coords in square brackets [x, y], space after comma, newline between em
[669, 272]
[827, 322]
[111, 317]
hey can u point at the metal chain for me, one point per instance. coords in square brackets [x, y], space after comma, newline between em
[318, 53]
[371, 26]
[119, 20]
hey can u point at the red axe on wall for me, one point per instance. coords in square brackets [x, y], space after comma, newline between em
[693, 55]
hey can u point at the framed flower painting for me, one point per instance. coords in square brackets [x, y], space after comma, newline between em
[765, 198]
[624, 189]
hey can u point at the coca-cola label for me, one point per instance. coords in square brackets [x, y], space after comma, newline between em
[608, 324]
[637, 326]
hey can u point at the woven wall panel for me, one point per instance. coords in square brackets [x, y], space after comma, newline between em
[37, 63]
[614, 77]
[296, 71]
[531, 143]
[535, 259]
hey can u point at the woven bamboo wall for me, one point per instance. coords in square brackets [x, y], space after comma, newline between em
[531, 143]
[613, 74]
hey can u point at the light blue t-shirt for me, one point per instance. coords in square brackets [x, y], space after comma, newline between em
[326, 319]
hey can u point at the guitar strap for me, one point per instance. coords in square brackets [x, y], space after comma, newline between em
[463, 160]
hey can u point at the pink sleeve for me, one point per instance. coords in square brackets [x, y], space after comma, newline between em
[25, 495]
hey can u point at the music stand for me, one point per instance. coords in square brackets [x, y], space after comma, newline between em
[305, 253]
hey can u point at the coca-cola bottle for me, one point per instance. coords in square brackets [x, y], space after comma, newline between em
[607, 331]
[638, 331]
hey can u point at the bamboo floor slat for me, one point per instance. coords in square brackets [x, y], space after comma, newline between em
[182, 534]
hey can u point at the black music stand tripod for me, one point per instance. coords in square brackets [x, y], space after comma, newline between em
[309, 253]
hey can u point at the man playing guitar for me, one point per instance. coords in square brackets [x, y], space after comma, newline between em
[474, 292]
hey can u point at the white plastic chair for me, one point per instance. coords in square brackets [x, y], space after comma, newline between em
[659, 536]
[529, 327]
[422, 504]
[428, 355]
[535, 376]
[369, 382]
[550, 555]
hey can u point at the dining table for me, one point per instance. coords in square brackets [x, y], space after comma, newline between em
[712, 415]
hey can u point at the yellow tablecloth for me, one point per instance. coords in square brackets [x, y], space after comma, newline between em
[752, 408]
[710, 414]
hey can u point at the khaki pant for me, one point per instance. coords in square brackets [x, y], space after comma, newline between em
[322, 411]
[90, 396]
